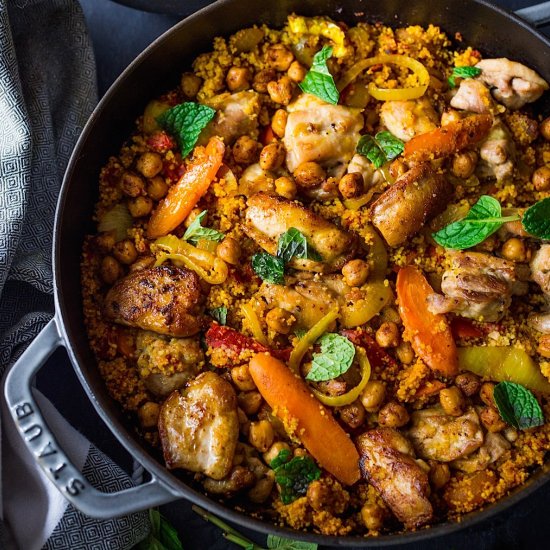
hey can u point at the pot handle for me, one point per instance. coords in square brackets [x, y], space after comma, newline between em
[41, 442]
[538, 15]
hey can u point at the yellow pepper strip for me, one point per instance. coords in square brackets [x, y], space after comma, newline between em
[355, 204]
[309, 338]
[254, 324]
[505, 363]
[354, 393]
[207, 266]
[387, 94]
[320, 26]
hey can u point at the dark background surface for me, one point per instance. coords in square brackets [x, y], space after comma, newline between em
[119, 33]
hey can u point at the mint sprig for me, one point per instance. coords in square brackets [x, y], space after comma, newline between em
[462, 72]
[518, 406]
[162, 536]
[196, 231]
[536, 219]
[381, 148]
[335, 358]
[219, 314]
[318, 81]
[269, 268]
[294, 476]
[186, 121]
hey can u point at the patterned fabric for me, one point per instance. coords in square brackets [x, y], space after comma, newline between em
[47, 91]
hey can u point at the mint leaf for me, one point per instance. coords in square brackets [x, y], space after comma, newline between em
[318, 81]
[336, 357]
[483, 219]
[219, 314]
[294, 477]
[536, 219]
[462, 72]
[196, 231]
[282, 543]
[293, 244]
[186, 121]
[283, 456]
[518, 406]
[269, 268]
[381, 148]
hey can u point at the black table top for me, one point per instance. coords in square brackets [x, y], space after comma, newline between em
[119, 33]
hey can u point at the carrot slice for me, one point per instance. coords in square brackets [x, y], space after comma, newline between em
[293, 402]
[448, 139]
[186, 193]
[430, 334]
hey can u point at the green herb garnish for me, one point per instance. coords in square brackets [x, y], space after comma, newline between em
[335, 358]
[381, 148]
[196, 231]
[518, 406]
[294, 476]
[318, 81]
[293, 244]
[269, 268]
[462, 72]
[186, 121]
[483, 219]
[162, 536]
[219, 314]
[536, 219]
[282, 543]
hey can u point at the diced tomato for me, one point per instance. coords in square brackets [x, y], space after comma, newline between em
[376, 355]
[161, 142]
[267, 135]
[465, 328]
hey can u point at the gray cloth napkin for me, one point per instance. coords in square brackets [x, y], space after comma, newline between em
[47, 91]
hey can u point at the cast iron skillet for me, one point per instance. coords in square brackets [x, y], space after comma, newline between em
[488, 28]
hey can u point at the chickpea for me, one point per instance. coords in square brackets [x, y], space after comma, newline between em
[157, 188]
[190, 84]
[393, 415]
[486, 393]
[140, 206]
[279, 57]
[229, 250]
[405, 353]
[372, 516]
[356, 272]
[309, 174]
[238, 79]
[541, 178]
[132, 185]
[351, 185]
[110, 270]
[280, 320]
[148, 414]
[281, 91]
[439, 474]
[544, 346]
[262, 489]
[125, 252]
[250, 401]
[246, 150]
[490, 418]
[387, 336]
[273, 452]
[544, 128]
[142, 263]
[373, 395]
[242, 379]
[353, 414]
[452, 401]
[468, 383]
[286, 187]
[397, 168]
[514, 249]
[192, 216]
[450, 116]
[464, 164]
[296, 71]
[149, 164]
[272, 156]
[262, 79]
[278, 122]
[324, 496]
[261, 435]
[105, 241]
[390, 314]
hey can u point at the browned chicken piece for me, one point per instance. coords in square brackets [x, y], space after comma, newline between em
[474, 96]
[441, 437]
[387, 463]
[477, 286]
[492, 449]
[540, 268]
[321, 132]
[255, 179]
[406, 119]
[199, 427]
[497, 154]
[269, 216]
[512, 83]
[361, 165]
[416, 197]
[239, 478]
[164, 299]
[237, 115]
